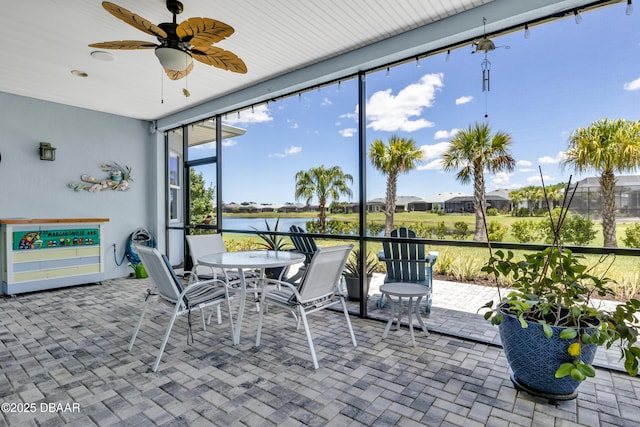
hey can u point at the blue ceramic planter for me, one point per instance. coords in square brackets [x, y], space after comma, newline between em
[534, 359]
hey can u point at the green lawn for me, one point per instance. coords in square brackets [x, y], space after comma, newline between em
[449, 220]
[462, 263]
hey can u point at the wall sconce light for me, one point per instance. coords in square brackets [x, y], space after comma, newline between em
[47, 152]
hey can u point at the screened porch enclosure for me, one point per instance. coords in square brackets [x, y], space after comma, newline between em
[249, 168]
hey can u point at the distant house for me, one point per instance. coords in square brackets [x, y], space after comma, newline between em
[376, 205]
[459, 204]
[344, 207]
[253, 207]
[437, 202]
[464, 204]
[588, 197]
[403, 204]
[288, 207]
[268, 208]
[231, 207]
[498, 199]
[353, 207]
[420, 205]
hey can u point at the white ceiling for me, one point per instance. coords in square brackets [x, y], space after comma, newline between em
[44, 40]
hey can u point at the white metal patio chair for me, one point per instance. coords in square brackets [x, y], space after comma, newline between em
[170, 290]
[317, 290]
[204, 244]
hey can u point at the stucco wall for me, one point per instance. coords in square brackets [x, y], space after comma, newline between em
[33, 188]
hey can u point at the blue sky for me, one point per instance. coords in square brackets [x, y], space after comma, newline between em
[564, 76]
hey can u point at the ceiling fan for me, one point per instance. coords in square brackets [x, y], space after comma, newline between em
[179, 43]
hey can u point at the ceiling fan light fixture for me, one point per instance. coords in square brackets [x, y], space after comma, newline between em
[173, 59]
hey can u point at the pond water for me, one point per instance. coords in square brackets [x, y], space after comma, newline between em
[251, 224]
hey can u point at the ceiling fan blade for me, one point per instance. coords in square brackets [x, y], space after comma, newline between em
[203, 31]
[177, 75]
[134, 20]
[124, 45]
[219, 58]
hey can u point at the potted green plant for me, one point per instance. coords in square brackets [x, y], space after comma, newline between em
[549, 323]
[273, 242]
[352, 274]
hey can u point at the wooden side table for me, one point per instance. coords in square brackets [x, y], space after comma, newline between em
[407, 290]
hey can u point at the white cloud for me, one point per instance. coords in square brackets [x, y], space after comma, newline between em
[464, 100]
[524, 166]
[432, 165]
[348, 132]
[552, 160]
[292, 124]
[401, 112]
[547, 160]
[633, 85]
[434, 150]
[352, 116]
[260, 114]
[512, 186]
[433, 154]
[326, 101]
[535, 179]
[446, 134]
[501, 179]
[229, 142]
[291, 151]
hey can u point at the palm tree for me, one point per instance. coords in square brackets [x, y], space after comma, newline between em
[555, 193]
[326, 185]
[607, 146]
[473, 151]
[516, 197]
[534, 196]
[399, 156]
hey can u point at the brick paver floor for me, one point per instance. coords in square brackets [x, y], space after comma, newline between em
[64, 361]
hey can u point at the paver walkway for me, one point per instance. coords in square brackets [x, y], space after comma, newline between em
[68, 347]
[455, 312]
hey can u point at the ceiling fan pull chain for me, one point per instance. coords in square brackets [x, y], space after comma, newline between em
[185, 91]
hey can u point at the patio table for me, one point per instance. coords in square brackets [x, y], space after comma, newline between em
[407, 290]
[254, 260]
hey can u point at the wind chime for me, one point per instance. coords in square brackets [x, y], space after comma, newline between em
[485, 45]
[486, 81]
